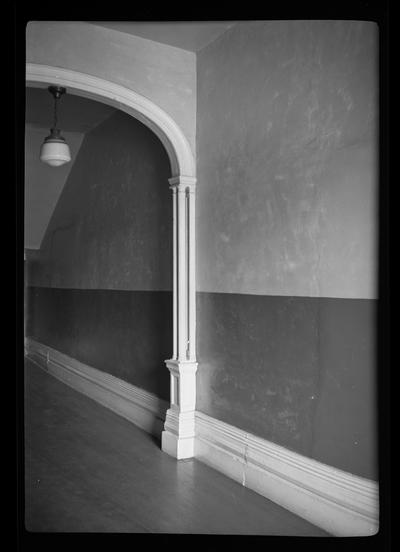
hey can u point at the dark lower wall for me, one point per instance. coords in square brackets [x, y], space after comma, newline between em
[297, 371]
[125, 333]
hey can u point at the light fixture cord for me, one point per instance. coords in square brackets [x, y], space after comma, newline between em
[55, 112]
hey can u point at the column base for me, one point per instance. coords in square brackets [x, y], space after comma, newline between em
[178, 447]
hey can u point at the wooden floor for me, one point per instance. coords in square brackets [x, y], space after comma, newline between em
[89, 470]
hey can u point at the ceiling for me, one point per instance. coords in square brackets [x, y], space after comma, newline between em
[188, 35]
[74, 113]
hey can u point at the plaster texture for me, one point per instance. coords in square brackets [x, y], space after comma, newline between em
[100, 287]
[163, 74]
[112, 226]
[43, 184]
[287, 236]
[127, 334]
[297, 371]
[287, 160]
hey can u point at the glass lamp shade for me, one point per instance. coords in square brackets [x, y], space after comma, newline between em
[55, 150]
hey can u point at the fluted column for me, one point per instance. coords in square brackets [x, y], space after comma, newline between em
[178, 434]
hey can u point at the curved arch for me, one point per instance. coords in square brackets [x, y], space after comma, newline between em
[125, 99]
[179, 429]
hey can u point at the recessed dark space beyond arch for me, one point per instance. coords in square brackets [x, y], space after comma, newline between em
[100, 288]
[182, 182]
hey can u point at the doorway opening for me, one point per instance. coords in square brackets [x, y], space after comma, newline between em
[179, 429]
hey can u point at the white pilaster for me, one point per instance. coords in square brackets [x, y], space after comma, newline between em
[178, 434]
[175, 276]
[192, 273]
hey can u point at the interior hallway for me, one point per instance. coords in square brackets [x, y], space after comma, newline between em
[89, 470]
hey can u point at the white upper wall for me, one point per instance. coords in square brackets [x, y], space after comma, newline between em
[163, 74]
[287, 160]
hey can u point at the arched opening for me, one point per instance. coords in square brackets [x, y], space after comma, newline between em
[179, 429]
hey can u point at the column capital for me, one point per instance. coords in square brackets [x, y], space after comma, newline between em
[181, 183]
[181, 366]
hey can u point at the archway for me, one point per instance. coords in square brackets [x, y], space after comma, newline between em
[179, 429]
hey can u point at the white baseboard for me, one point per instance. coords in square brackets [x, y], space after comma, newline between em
[136, 405]
[340, 503]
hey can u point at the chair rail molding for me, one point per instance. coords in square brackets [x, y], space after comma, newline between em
[178, 434]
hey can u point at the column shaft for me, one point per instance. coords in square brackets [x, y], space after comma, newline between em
[179, 428]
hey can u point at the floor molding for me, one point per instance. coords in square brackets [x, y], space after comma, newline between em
[136, 405]
[339, 502]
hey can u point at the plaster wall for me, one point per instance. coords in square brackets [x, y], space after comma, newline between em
[287, 160]
[100, 288]
[163, 74]
[286, 224]
[43, 185]
[287, 233]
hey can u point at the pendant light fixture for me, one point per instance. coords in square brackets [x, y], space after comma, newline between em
[55, 150]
